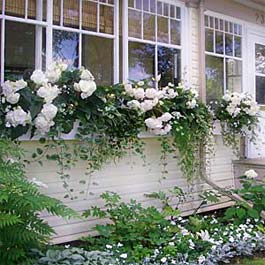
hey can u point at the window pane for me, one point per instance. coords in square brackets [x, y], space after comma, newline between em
[229, 44]
[89, 15]
[219, 42]
[19, 49]
[106, 19]
[260, 58]
[141, 61]
[162, 29]
[134, 24]
[149, 27]
[260, 89]
[214, 78]
[56, 12]
[15, 8]
[65, 47]
[209, 40]
[233, 75]
[169, 65]
[238, 45]
[97, 56]
[71, 13]
[175, 32]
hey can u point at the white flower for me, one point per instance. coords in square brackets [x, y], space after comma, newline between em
[140, 83]
[119, 245]
[48, 92]
[133, 104]
[17, 117]
[147, 105]
[139, 93]
[124, 256]
[20, 84]
[164, 260]
[13, 98]
[153, 123]
[201, 259]
[231, 239]
[109, 246]
[86, 75]
[49, 111]
[39, 183]
[129, 89]
[171, 244]
[42, 124]
[38, 77]
[191, 244]
[86, 87]
[251, 174]
[171, 93]
[166, 117]
[204, 235]
[227, 97]
[7, 88]
[53, 75]
[191, 104]
[151, 93]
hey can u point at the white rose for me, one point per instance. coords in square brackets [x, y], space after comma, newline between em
[20, 84]
[151, 93]
[42, 124]
[49, 111]
[53, 75]
[7, 88]
[194, 92]
[153, 123]
[139, 93]
[48, 92]
[129, 90]
[166, 117]
[227, 97]
[147, 105]
[87, 87]
[133, 104]
[251, 174]
[77, 87]
[17, 117]
[140, 83]
[86, 75]
[38, 77]
[13, 98]
[191, 104]
[171, 93]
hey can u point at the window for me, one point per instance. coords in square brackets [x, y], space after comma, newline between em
[90, 33]
[260, 73]
[154, 35]
[223, 51]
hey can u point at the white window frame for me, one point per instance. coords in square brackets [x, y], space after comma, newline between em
[243, 47]
[184, 48]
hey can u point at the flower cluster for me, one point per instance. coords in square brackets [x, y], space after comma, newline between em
[160, 125]
[17, 116]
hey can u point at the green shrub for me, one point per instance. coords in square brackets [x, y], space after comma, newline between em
[21, 227]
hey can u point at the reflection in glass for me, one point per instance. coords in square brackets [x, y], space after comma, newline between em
[97, 56]
[260, 89]
[175, 32]
[134, 23]
[149, 27]
[260, 58]
[106, 19]
[229, 44]
[65, 47]
[141, 61]
[238, 46]
[219, 42]
[89, 15]
[19, 49]
[71, 13]
[214, 78]
[162, 29]
[209, 40]
[233, 75]
[15, 8]
[169, 65]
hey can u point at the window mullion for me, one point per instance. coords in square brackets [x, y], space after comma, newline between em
[116, 43]
[125, 54]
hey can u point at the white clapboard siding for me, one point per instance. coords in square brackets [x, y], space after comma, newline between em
[128, 177]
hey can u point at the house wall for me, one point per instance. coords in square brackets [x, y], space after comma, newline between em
[128, 176]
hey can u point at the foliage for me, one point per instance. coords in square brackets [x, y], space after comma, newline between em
[21, 226]
[72, 256]
[238, 114]
[253, 191]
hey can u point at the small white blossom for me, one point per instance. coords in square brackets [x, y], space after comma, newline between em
[17, 117]
[251, 174]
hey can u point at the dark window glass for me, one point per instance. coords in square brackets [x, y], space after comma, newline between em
[97, 56]
[65, 47]
[260, 58]
[219, 42]
[19, 49]
[169, 65]
[238, 46]
[141, 61]
[175, 32]
[233, 75]
[214, 78]
[209, 40]
[229, 44]
[260, 89]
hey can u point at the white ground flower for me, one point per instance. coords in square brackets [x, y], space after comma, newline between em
[124, 256]
[201, 259]
[164, 260]
[39, 183]
[251, 174]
